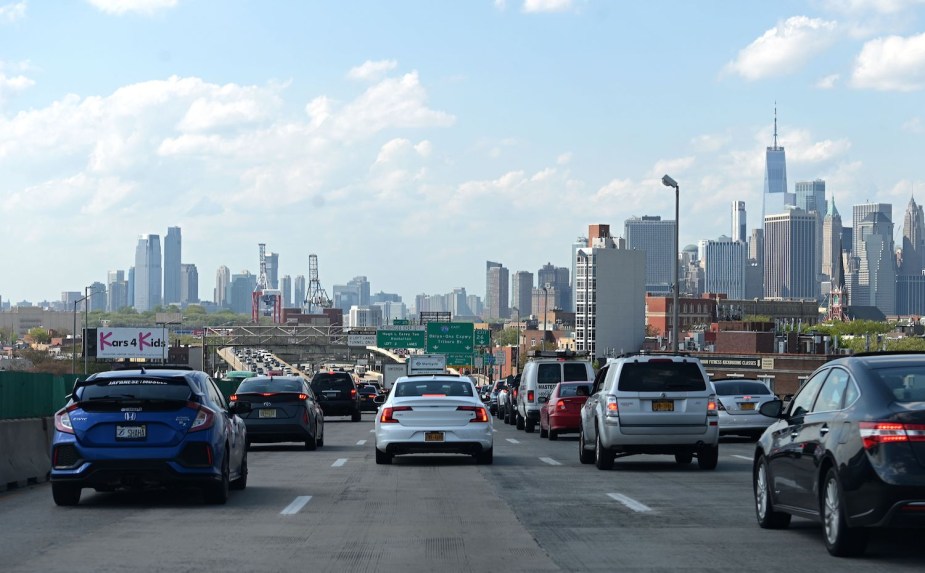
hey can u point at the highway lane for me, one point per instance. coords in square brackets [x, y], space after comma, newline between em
[536, 509]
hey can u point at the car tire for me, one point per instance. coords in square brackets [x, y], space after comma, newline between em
[518, 421]
[486, 457]
[217, 493]
[840, 539]
[708, 457]
[768, 518]
[552, 434]
[508, 417]
[544, 433]
[683, 458]
[321, 439]
[241, 482]
[529, 426]
[357, 416]
[585, 455]
[383, 458]
[311, 444]
[65, 494]
[603, 458]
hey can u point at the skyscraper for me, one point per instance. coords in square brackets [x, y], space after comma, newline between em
[913, 253]
[775, 197]
[285, 285]
[496, 291]
[739, 230]
[222, 285]
[831, 243]
[148, 273]
[790, 243]
[810, 196]
[656, 238]
[116, 291]
[272, 260]
[557, 278]
[521, 292]
[876, 273]
[724, 263]
[189, 284]
[299, 290]
[172, 261]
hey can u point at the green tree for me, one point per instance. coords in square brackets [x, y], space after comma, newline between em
[507, 337]
[40, 335]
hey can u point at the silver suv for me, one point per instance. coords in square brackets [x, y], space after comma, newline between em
[650, 404]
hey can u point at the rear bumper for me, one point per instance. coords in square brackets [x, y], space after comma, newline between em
[658, 439]
[737, 423]
[340, 408]
[132, 473]
[277, 432]
[565, 423]
[395, 439]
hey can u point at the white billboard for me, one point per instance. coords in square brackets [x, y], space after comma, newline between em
[138, 342]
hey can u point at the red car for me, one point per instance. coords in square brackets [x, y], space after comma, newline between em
[561, 414]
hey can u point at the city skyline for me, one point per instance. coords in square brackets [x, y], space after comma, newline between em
[412, 158]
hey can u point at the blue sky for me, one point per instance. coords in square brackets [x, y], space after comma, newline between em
[411, 141]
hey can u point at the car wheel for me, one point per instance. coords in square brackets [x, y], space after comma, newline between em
[321, 439]
[311, 443]
[529, 426]
[768, 518]
[603, 458]
[217, 493]
[544, 433]
[684, 458]
[840, 540]
[707, 457]
[508, 417]
[585, 455]
[486, 457]
[518, 421]
[553, 435]
[65, 493]
[357, 416]
[241, 482]
[383, 457]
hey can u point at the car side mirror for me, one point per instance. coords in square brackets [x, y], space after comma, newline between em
[772, 409]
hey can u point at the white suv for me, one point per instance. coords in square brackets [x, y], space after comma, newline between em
[542, 372]
[650, 404]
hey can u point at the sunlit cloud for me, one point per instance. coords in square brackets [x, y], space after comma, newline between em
[893, 63]
[370, 70]
[143, 7]
[536, 6]
[12, 12]
[784, 49]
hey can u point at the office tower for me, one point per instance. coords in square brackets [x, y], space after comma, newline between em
[240, 292]
[457, 302]
[272, 260]
[557, 278]
[384, 297]
[172, 261]
[790, 244]
[299, 291]
[810, 196]
[345, 296]
[739, 231]
[831, 242]
[656, 238]
[361, 284]
[610, 297]
[475, 305]
[724, 262]
[861, 212]
[496, 291]
[756, 245]
[116, 291]
[148, 273]
[391, 310]
[690, 274]
[521, 292]
[222, 286]
[285, 285]
[913, 253]
[189, 284]
[775, 198]
[876, 272]
[130, 288]
[97, 294]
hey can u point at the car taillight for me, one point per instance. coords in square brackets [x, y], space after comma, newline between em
[63, 420]
[353, 392]
[530, 395]
[481, 415]
[610, 406]
[560, 405]
[386, 416]
[875, 433]
[233, 398]
[303, 396]
[205, 418]
[711, 405]
[515, 393]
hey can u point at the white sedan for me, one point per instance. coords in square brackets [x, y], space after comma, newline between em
[431, 413]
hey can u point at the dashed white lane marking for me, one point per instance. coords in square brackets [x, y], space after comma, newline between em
[297, 504]
[513, 441]
[629, 502]
[740, 457]
[373, 431]
[339, 462]
[550, 461]
[361, 442]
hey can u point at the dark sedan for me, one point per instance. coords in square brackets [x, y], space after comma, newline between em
[848, 451]
[283, 409]
[368, 399]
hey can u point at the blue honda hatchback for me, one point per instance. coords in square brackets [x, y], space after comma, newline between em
[148, 427]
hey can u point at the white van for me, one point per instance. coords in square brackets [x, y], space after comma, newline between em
[543, 370]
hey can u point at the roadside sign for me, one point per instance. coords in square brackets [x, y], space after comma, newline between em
[482, 337]
[457, 360]
[361, 340]
[131, 343]
[399, 338]
[401, 321]
[500, 358]
[450, 337]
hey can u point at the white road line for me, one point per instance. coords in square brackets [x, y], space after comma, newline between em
[297, 504]
[513, 441]
[629, 502]
[373, 431]
[339, 462]
[361, 442]
[550, 461]
[740, 457]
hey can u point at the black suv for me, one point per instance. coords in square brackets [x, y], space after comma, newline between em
[337, 394]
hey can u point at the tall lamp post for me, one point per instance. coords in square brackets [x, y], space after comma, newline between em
[669, 182]
[87, 295]
[516, 361]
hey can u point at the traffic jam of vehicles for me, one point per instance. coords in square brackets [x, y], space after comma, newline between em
[847, 451]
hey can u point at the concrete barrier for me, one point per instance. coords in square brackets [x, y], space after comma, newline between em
[24, 451]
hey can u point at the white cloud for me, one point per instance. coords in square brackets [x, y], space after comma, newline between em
[784, 49]
[672, 167]
[891, 64]
[370, 70]
[914, 125]
[144, 7]
[12, 12]
[710, 142]
[564, 158]
[536, 6]
[828, 82]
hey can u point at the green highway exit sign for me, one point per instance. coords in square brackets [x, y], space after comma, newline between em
[450, 337]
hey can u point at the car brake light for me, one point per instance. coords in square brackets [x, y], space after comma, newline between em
[205, 418]
[353, 392]
[480, 414]
[303, 396]
[233, 398]
[711, 405]
[560, 405]
[875, 433]
[515, 392]
[610, 406]
[530, 395]
[386, 416]
[63, 420]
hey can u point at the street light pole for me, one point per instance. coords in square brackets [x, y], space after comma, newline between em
[517, 328]
[669, 182]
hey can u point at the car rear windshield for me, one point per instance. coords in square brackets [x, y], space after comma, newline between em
[665, 376]
[907, 383]
[323, 382]
[568, 390]
[433, 387]
[136, 389]
[266, 385]
[739, 387]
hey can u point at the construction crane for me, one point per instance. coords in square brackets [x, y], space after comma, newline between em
[316, 298]
[271, 298]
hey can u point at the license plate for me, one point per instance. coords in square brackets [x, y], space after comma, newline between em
[747, 406]
[131, 432]
[433, 436]
[266, 413]
[663, 405]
